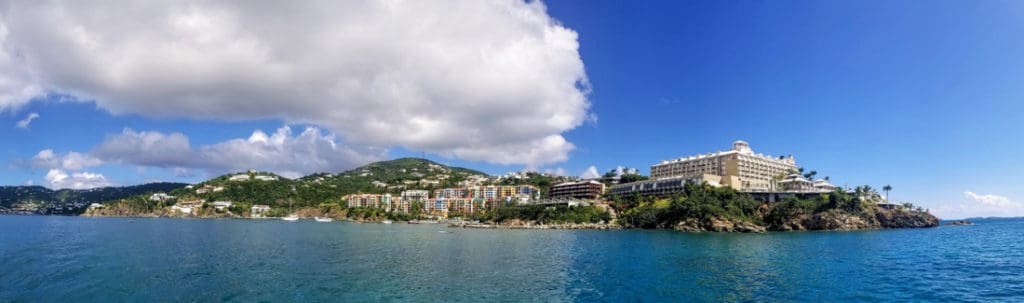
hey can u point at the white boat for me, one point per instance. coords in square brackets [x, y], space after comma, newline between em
[386, 222]
[319, 219]
[290, 218]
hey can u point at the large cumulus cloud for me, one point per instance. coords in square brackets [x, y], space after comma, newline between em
[493, 80]
[288, 154]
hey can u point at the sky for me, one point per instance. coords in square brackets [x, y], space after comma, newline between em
[925, 96]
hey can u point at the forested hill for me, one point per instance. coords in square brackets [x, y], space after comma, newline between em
[41, 200]
[245, 189]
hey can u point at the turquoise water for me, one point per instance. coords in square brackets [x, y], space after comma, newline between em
[72, 259]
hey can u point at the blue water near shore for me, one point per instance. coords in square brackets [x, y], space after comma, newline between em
[77, 259]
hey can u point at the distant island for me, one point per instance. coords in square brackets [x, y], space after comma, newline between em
[733, 191]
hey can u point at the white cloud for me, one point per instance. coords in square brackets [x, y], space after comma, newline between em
[148, 148]
[590, 173]
[71, 161]
[992, 200]
[558, 171]
[980, 205]
[57, 179]
[28, 120]
[282, 152]
[497, 81]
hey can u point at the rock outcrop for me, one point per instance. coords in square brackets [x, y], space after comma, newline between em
[874, 218]
[718, 225]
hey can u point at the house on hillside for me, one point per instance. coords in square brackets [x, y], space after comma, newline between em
[259, 211]
[239, 177]
[160, 197]
[266, 178]
[209, 189]
[222, 205]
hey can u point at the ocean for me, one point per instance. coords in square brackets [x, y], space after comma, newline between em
[81, 259]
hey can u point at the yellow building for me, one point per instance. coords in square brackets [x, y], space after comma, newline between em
[739, 168]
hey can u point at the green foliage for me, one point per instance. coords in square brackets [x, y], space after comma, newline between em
[698, 202]
[56, 201]
[630, 178]
[545, 214]
[286, 195]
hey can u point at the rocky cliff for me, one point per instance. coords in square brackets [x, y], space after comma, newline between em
[873, 218]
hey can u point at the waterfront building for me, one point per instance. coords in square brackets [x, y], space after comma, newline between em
[382, 201]
[526, 193]
[259, 211]
[416, 195]
[493, 195]
[739, 168]
[577, 190]
[660, 187]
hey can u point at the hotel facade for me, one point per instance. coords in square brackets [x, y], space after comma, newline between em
[739, 168]
[588, 190]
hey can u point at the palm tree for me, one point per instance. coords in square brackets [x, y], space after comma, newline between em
[810, 175]
[887, 188]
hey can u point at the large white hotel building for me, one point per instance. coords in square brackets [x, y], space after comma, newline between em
[739, 168]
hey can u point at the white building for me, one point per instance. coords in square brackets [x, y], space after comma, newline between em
[417, 195]
[160, 197]
[739, 168]
[259, 211]
[239, 177]
[209, 189]
[266, 178]
[222, 205]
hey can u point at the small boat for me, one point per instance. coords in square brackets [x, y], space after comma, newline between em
[290, 218]
[387, 222]
[319, 219]
[413, 222]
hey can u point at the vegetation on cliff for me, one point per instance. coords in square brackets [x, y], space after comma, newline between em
[706, 208]
[543, 214]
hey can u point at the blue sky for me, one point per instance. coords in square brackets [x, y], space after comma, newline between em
[927, 96]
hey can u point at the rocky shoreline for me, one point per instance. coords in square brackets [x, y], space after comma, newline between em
[534, 225]
[877, 218]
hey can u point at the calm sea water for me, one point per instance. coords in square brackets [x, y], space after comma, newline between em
[71, 259]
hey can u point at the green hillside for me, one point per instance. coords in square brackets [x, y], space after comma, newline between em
[41, 200]
[313, 190]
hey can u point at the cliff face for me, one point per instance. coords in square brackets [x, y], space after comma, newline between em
[874, 218]
[902, 219]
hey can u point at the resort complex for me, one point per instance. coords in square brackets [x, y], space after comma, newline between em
[445, 200]
[739, 168]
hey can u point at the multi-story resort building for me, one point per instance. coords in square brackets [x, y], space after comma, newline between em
[739, 168]
[467, 199]
[417, 195]
[385, 201]
[590, 190]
